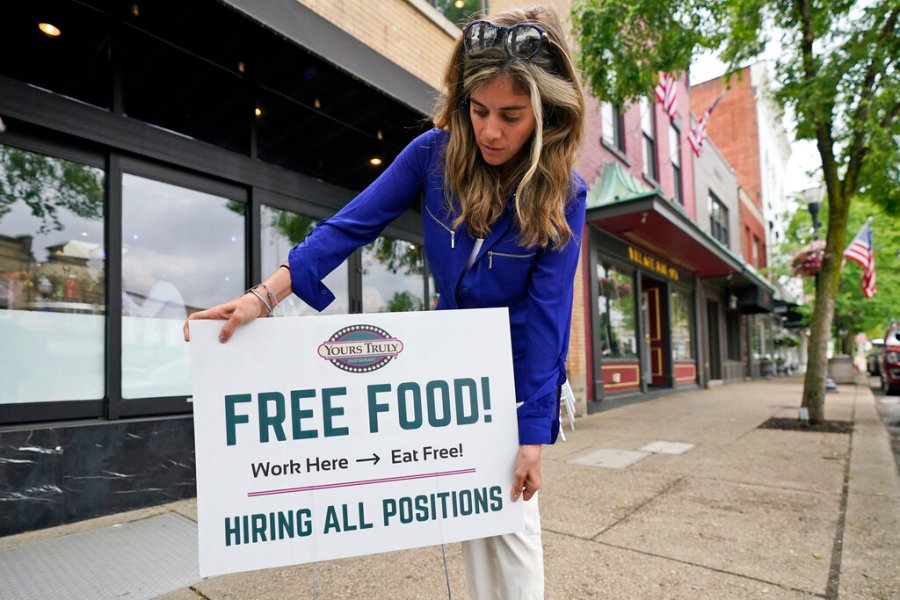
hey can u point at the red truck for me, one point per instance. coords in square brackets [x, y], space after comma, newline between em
[890, 360]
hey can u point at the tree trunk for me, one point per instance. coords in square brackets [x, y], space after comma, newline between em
[823, 311]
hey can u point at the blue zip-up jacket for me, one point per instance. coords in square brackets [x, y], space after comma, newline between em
[535, 285]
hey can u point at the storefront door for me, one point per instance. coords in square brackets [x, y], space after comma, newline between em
[657, 308]
[646, 361]
[715, 348]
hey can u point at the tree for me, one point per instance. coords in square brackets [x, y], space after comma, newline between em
[403, 302]
[853, 312]
[459, 11]
[47, 185]
[838, 74]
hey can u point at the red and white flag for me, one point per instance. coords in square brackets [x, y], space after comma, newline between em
[665, 94]
[697, 135]
[862, 251]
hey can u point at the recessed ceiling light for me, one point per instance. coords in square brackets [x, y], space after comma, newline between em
[374, 161]
[49, 30]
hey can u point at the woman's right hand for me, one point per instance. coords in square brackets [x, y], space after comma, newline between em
[239, 311]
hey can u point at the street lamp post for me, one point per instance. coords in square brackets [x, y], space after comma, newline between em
[814, 206]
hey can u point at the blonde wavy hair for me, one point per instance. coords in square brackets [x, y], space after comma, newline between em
[545, 164]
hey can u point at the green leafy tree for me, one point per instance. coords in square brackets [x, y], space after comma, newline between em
[838, 73]
[47, 185]
[854, 313]
[458, 11]
[403, 302]
[295, 227]
[397, 255]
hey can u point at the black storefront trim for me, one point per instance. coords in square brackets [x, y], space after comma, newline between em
[57, 113]
[318, 35]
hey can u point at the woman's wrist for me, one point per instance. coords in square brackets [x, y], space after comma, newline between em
[264, 303]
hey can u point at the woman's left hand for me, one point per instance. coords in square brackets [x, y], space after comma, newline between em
[527, 472]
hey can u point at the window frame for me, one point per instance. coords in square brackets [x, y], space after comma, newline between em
[36, 412]
[690, 300]
[604, 260]
[649, 158]
[119, 165]
[675, 159]
[615, 142]
[718, 227]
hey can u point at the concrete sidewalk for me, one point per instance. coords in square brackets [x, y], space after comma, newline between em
[695, 501]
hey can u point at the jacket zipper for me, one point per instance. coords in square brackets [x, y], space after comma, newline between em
[439, 222]
[491, 255]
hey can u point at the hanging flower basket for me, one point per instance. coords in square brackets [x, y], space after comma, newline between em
[611, 288]
[808, 261]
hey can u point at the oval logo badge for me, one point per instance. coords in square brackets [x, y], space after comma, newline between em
[360, 348]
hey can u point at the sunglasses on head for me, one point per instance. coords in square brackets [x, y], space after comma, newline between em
[521, 41]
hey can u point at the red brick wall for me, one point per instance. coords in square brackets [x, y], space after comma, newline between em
[594, 154]
[733, 128]
[750, 226]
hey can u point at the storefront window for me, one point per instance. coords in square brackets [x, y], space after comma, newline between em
[759, 343]
[52, 274]
[682, 325]
[182, 251]
[393, 276]
[615, 310]
[281, 231]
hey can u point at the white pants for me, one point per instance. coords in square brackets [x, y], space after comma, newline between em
[507, 567]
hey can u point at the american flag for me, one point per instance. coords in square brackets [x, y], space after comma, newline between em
[862, 251]
[697, 135]
[665, 94]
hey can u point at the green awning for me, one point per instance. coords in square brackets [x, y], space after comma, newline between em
[615, 184]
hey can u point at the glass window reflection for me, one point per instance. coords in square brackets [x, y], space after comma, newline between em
[615, 309]
[393, 276]
[281, 231]
[52, 292]
[182, 251]
[682, 325]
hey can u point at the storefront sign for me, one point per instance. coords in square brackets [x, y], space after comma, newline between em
[331, 436]
[652, 263]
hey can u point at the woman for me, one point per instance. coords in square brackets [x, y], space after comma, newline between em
[503, 213]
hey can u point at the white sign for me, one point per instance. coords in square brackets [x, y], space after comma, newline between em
[331, 436]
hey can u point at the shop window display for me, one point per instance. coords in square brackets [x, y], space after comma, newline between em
[616, 313]
[281, 230]
[682, 325]
[182, 250]
[393, 276]
[52, 279]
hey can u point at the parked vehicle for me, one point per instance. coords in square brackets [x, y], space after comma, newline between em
[874, 357]
[890, 363]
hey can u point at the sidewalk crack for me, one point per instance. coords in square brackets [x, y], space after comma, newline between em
[198, 593]
[837, 550]
[638, 507]
[715, 569]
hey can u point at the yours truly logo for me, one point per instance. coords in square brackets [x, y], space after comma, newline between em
[360, 348]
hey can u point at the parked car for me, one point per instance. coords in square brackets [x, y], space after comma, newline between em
[874, 357]
[890, 362]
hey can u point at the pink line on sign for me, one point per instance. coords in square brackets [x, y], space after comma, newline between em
[328, 486]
